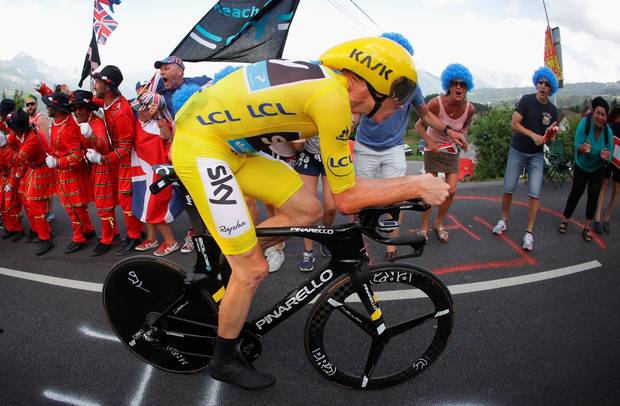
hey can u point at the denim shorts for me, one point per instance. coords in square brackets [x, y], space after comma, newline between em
[517, 161]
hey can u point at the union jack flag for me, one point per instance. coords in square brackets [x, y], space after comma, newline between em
[103, 23]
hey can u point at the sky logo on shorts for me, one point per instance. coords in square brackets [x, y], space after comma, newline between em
[222, 191]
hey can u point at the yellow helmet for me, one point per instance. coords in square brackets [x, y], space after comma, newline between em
[383, 63]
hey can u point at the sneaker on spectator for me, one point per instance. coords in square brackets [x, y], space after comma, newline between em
[307, 261]
[188, 243]
[500, 227]
[325, 251]
[50, 216]
[528, 242]
[147, 245]
[275, 259]
[165, 248]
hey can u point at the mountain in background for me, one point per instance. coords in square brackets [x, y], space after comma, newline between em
[19, 73]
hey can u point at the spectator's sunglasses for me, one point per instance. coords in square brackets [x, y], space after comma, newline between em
[544, 82]
[30, 104]
[458, 83]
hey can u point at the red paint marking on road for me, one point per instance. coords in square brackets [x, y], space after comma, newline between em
[555, 213]
[508, 241]
[480, 265]
[459, 225]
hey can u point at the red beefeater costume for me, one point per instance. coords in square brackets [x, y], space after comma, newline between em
[40, 185]
[34, 121]
[103, 178]
[73, 187]
[120, 119]
[10, 202]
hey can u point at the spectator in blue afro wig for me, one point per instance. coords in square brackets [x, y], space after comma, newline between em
[456, 71]
[394, 36]
[548, 75]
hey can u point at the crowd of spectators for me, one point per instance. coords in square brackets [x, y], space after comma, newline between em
[100, 147]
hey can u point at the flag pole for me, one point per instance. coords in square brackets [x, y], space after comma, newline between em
[546, 14]
[549, 28]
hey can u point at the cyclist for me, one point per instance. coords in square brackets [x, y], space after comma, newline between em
[221, 129]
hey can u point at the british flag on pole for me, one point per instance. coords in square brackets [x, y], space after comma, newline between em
[103, 23]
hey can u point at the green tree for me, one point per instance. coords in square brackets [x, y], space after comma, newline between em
[492, 132]
[18, 96]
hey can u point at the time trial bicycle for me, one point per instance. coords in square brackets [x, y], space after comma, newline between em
[371, 326]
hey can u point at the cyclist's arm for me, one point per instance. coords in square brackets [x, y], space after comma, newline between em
[332, 117]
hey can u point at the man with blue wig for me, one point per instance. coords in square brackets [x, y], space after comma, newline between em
[533, 114]
[379, 147]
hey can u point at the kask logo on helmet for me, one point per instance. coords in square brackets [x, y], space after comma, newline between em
[366, 59]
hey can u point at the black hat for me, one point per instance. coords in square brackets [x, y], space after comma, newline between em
[83, 98]
[7, 106]
[600, 102]
[58, 101]
[111, 75]
[19, 121]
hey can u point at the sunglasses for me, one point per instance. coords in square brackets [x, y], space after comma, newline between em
[458, 83]
[30, 104]
[544, 82]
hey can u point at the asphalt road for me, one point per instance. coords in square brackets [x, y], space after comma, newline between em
[527, 330]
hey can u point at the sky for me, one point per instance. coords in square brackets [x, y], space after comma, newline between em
[500, 41]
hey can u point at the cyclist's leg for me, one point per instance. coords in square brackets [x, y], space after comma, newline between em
[311, 183]
[274, 182]
[207, 169]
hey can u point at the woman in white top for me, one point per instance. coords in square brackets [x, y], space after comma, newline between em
[441, 154]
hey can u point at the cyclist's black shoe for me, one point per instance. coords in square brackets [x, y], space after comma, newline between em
[225, 366]
[90, 235]
[7, 234]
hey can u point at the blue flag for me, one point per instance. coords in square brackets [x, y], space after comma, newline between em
[239, 31]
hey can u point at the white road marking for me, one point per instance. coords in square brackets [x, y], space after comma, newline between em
[92, 333]
[69, 398]
[487, 285]
[139, 396]
[52, 280]
[391, 295]
[212, 393]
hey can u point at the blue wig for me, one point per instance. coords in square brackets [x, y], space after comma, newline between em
[227, 70]
[182, 94]
[545, 73]
[394, 36]
[456, 71]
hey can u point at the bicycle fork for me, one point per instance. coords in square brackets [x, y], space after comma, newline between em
[362, 286]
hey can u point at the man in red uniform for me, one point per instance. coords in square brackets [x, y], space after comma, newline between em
[119, 120]
[102, 176]
[66, 156]
[11, 202]
[40, 185]
[40, 123]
